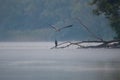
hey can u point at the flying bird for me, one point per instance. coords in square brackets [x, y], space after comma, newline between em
[59, 29]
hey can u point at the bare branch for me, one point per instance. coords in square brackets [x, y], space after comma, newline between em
[92, 34]
[103, 44]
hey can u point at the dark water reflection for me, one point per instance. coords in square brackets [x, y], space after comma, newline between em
[42, 64]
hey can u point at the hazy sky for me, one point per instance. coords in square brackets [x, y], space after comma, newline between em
[30, 20]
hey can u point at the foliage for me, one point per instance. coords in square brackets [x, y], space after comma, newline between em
[111, 9]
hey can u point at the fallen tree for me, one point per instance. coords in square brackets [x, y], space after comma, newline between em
[100, 42]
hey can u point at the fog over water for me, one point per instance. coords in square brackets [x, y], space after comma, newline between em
[36, 61]
[30, 20]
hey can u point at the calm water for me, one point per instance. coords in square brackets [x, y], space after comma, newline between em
[60, 64]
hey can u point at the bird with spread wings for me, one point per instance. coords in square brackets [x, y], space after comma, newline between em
[59, 29]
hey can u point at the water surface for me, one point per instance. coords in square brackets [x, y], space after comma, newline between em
[27, 63]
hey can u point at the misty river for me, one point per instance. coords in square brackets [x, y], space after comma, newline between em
[59, 64]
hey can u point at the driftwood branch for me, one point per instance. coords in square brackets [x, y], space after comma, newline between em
[89, 31]
[102, 44]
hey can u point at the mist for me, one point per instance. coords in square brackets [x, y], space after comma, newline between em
[30, 20]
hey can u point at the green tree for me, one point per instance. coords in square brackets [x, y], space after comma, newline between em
[111, 9]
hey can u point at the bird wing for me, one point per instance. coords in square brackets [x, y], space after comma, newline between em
[54, 28]
[66, 27]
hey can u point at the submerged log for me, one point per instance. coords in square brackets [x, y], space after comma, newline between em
[102, 44]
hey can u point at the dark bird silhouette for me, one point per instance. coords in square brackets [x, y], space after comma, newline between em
[59, 29]
[56, 43]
